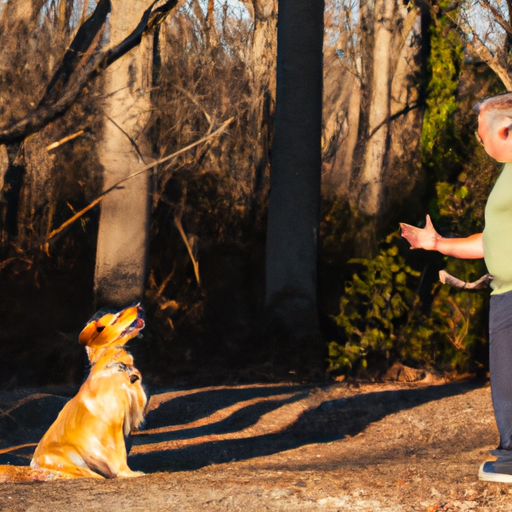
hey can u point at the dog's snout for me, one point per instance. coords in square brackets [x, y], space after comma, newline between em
[134, 378]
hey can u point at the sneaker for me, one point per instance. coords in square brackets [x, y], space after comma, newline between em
[499, 470]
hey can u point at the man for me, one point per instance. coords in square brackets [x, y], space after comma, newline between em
[495, 246]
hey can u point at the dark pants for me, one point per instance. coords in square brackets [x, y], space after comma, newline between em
[500, 364]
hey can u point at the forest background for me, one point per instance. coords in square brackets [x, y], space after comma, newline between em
[399, 82]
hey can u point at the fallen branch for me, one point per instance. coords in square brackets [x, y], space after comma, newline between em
[479, 284]
[18, 447]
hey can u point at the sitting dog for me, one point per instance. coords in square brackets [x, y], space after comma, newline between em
[88, 437]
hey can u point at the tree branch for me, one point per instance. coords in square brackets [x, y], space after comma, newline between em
[505, 25]
[394, 116]
[83, 62]
[484, 53]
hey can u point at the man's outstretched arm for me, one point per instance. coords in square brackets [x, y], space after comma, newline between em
[470, 248]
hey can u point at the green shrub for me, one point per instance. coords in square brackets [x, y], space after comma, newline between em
[381, 317]
[376, 302]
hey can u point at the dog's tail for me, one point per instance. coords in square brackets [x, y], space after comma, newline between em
[16, 474]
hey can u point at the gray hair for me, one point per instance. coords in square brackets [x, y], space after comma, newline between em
[502, 101]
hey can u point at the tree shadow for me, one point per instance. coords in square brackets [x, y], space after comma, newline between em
[197, 428]
[331, 420]
[201, 403]
[237, 421]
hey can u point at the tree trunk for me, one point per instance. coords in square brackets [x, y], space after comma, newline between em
[37, 200]
[404, 173]
[341, 111]
[264, 51]
[123, 237]
[370, 200]
[293, 212]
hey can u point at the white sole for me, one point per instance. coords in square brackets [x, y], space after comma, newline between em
[485, 476]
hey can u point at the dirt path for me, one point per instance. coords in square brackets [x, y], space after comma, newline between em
[280, 447]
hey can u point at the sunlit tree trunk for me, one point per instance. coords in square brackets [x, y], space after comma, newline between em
[370, 200]
[341, 111]
[293, 212]
[210, 23]
[263, 69]
[406, 115]
[123, 238]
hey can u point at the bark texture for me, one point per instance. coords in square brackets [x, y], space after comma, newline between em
[263, 76]
[341, 112]
[370, 200]
[123, 237]
[36, 207]
[293, 212]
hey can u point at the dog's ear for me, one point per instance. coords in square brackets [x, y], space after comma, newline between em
[94, 328]
[112, 328]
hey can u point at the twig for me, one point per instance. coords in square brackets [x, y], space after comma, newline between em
[165, 282]
[195, 102]
[394, 116]
[479, 284]
[127, 135]
[195, 263]
[505, 25]
[58, 143]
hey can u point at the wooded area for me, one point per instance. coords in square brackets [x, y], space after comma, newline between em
[240, 167]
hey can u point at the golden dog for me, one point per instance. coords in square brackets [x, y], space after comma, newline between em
[88, 437]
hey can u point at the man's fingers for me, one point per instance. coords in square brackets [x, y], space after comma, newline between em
[408, 230]
[406, 227]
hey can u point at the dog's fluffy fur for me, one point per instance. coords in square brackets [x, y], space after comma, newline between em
[88, 437]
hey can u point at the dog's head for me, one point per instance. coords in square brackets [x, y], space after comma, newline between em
[108, 328]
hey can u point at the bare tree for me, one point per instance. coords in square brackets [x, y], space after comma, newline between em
[263, 80]
[22, 113]
[371, 109]
[123, 236]
[342, 95]
[84, 61]
[488, 32]
[378, 119]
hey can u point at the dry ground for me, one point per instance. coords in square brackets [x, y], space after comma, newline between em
[280, 447]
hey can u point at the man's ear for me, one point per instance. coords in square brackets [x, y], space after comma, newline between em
[504, 132]
[505, 141]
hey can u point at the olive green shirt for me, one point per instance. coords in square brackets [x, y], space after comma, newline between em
[498, 232]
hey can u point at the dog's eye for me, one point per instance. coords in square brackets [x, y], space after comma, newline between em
[122, 367]
[100, 328]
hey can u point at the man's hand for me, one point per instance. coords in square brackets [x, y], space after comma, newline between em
[419, 238]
